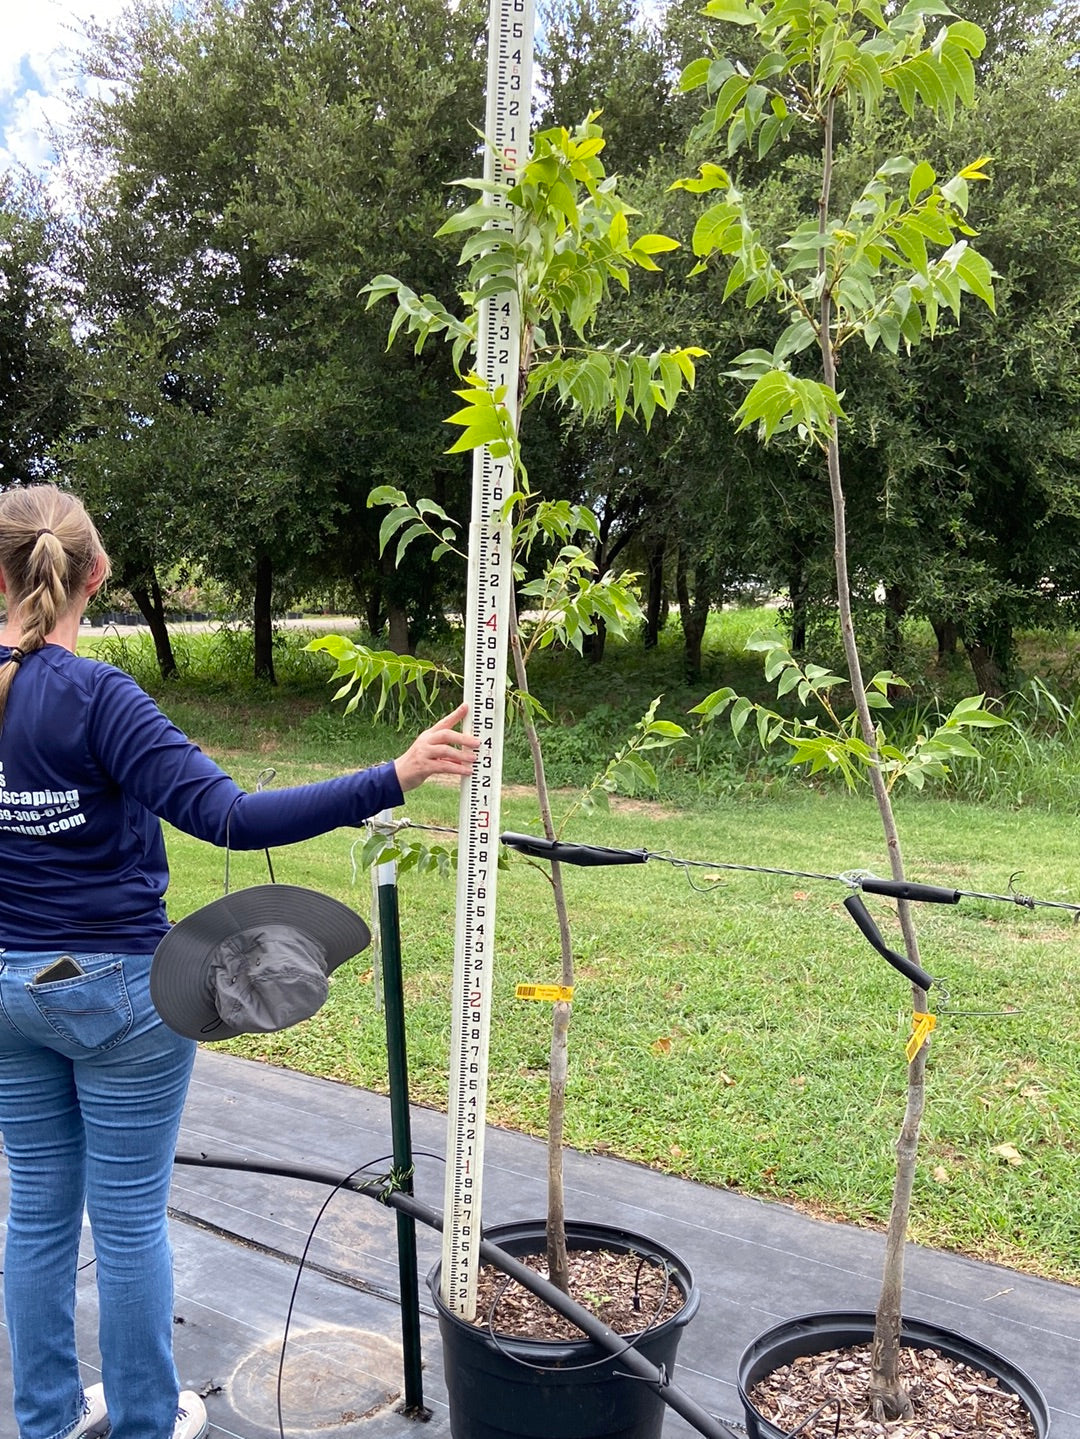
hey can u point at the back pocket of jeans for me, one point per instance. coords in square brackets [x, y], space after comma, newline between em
[93, 1011]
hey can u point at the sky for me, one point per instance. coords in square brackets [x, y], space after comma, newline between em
[38, 44]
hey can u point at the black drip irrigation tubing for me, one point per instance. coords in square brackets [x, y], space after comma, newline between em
[593, 1328]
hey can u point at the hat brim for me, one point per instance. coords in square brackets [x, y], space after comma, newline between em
[179, 975]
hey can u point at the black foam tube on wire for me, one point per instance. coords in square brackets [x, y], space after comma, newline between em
[560, 851]
[909, 889]
[869, 930]
[638, 1366]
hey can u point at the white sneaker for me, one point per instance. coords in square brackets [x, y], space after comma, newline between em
[94, 1423]
[191, 1420]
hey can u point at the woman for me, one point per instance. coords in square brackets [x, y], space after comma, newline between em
[92, 1083]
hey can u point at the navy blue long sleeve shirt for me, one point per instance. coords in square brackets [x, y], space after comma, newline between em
[88, 767]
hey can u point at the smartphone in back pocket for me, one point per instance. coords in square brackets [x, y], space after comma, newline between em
[63, 968]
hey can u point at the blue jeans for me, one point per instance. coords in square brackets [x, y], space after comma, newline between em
[92, 1085]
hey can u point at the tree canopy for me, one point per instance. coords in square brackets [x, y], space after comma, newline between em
[260, 161]
[36, 403]
[193, 349]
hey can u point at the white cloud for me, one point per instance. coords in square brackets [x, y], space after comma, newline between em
[38, 64]
[27, 124]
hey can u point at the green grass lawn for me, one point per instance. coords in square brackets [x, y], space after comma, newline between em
[747, 1036]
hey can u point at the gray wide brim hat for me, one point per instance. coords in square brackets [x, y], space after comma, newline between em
[253, 961]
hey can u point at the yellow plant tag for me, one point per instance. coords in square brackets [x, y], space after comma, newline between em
[924, 1024]
[550, 992]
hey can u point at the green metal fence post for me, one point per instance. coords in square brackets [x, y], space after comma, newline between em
[401, 1129]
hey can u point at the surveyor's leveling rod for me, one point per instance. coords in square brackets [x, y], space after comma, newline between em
[487, 619]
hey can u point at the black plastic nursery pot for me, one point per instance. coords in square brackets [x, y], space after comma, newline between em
[818, 1333]
[509, 1388]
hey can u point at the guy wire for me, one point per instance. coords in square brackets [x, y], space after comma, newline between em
[851, 878]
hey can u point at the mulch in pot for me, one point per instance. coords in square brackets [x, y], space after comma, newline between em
[627, 1292]
[952, 1400]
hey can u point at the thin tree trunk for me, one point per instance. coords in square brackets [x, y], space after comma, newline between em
[888, 1399]
[798, 598]
[398, 627]
[147, 595]
[373, 612]
[263, 627]
[989, 649]
[694, 615]
[896, 607]
[947, 634]
[592, 646]
[558, 1265]
[654, 597]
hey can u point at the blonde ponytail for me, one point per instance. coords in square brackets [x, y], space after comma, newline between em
[49, 550]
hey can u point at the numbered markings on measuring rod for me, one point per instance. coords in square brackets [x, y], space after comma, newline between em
[510, 41]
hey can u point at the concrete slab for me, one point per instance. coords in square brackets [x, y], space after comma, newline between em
[239, 1237]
